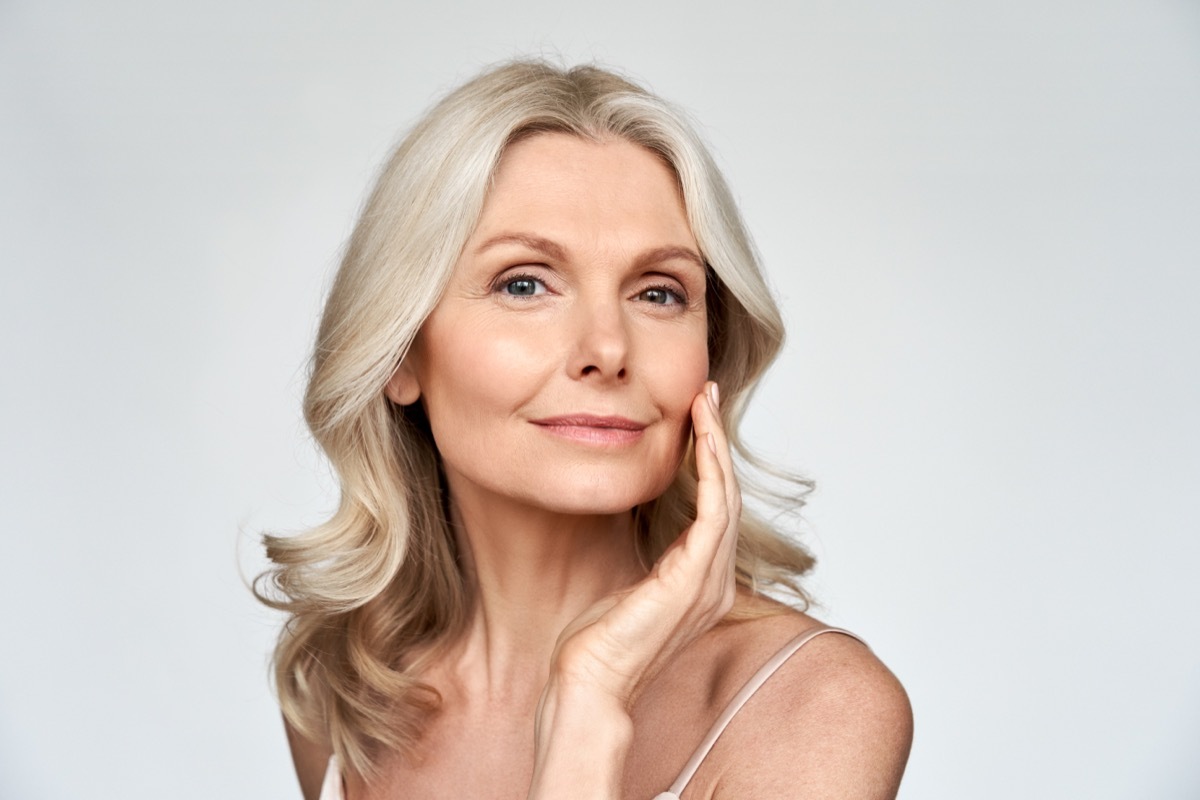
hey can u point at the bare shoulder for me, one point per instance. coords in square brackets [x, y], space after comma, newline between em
[832, 721]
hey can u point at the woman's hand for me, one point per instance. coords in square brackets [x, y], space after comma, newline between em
[617, 645]
[610, 652]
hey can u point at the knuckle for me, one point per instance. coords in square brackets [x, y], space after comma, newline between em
[674, 575]
[572, 654]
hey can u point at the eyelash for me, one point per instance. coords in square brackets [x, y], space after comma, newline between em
[508, 280]
[675, 294]
[505, 281]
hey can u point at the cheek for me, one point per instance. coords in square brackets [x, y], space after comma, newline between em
[680, 378]
[687, 362]
[680, 375]
[469, 374]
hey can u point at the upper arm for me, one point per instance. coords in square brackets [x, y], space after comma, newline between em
[310, 759]
[833, 722]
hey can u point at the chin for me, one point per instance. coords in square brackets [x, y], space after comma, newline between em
[607, 495]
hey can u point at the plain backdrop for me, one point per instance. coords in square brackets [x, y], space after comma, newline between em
[980, 218]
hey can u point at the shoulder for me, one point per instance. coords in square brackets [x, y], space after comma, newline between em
[832, 721]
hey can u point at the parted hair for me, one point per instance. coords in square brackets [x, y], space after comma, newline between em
[373, 593]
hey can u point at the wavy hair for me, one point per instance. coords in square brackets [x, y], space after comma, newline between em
[373, 592]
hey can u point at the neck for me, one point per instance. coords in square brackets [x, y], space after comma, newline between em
[531, 572]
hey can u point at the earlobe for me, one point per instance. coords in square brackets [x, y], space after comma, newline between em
[403, 389]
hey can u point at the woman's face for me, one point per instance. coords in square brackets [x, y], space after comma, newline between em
[559, 368]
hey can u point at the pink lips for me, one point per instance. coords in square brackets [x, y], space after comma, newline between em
[593, 429]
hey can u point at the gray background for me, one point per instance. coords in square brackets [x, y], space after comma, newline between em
[976, 215]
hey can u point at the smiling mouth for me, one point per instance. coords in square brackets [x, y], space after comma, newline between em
[593, 429]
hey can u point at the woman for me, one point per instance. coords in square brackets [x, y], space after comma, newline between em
[540, 580]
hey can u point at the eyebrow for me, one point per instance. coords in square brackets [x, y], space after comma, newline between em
[538, 243]
[661, 254]
[555, 251]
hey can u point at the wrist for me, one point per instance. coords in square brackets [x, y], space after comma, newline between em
[572, 708]
[583, 737]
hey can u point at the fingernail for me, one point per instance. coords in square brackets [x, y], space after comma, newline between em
[715, 394]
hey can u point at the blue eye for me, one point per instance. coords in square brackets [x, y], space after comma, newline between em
[523, 286]
[661, 296]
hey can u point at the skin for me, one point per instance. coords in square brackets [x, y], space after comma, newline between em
[576, 306]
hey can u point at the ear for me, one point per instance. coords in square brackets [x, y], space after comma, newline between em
[402, 388]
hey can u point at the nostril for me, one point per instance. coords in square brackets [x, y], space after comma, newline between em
[592, 369]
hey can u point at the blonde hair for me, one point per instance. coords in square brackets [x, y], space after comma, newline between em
[372, 592]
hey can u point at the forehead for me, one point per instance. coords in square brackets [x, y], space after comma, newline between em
[567, 185]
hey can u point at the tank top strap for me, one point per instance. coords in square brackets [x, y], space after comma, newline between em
[735, 705]
[332, 787]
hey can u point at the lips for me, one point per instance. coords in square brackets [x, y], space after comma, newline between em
[590, 428]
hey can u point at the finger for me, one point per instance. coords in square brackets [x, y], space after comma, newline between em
[712, 539]
[707, 419]
[713, 516]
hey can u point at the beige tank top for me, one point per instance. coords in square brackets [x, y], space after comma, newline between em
[333, 789]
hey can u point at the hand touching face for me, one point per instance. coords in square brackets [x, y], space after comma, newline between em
[560, 366]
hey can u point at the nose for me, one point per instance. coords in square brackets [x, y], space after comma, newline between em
[600, 347]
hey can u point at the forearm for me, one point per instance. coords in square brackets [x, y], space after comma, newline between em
[582, 741]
